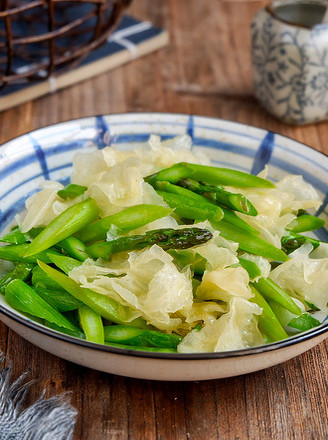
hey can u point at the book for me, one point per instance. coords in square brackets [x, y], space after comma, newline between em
[131, 39]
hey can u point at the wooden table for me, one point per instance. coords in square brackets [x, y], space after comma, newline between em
[206, 70]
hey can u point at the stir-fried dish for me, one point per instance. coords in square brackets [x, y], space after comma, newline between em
[156, 249]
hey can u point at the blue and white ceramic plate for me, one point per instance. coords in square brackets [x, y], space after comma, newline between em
[47, 154]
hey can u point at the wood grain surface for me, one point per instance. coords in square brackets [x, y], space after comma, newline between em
[205, 70]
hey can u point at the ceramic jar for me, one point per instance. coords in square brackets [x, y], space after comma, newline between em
[290, 60]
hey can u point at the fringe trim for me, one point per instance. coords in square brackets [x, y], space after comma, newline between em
[45, 419]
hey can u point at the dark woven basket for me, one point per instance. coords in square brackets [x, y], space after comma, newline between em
[39, 38]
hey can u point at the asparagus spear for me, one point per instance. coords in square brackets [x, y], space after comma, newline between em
[16, 253]
[50, 290]
[280, 302]
[228, 216]
[187, 207]
[104, 305]
[164, 185]
[22, 297]
[128, 219]
[218, 195]
[268, 322]
[287, 319]
[74, 247]
[71, 191]
[305, 223]
[312, 306]
[67, 223]
[304, 322]
[21, 271]
[142, 338]
[58, 299]
[235, 221]
[293, 241]
[40, 278]
[15, 237]
[77, 333]
[271, 291]
[251, 268]
[249, 242]
[91, 324]
[66, 264]
[165, 238]
[210, 175]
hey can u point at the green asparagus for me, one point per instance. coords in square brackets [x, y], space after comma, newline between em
[268, 322]
[218, 195]
[210, 175]
[91, 324]
[305, 223]
[17, 253]
[104, 305]
[66, 224]
[250, 267]
[249, 242]
[194, 193]
[144, 338]
[126, 220]
[187, 207]
[74, 247]
[271, 291]
[304, 322]
[22, 297]
[58, 299]
[199, 200]
[21, 271]
[71, 191]
[292, 241]
[18, 237]
[165, 238]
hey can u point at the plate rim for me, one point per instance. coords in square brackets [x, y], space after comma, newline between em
[242, 124]
[292, 340]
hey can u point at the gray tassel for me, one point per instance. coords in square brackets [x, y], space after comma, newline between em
[45, 419]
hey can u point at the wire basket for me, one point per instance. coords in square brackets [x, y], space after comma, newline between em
[39, 38]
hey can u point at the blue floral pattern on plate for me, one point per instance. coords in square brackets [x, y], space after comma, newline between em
[290, 65]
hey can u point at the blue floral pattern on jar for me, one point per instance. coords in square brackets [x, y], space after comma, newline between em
[290, 65]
